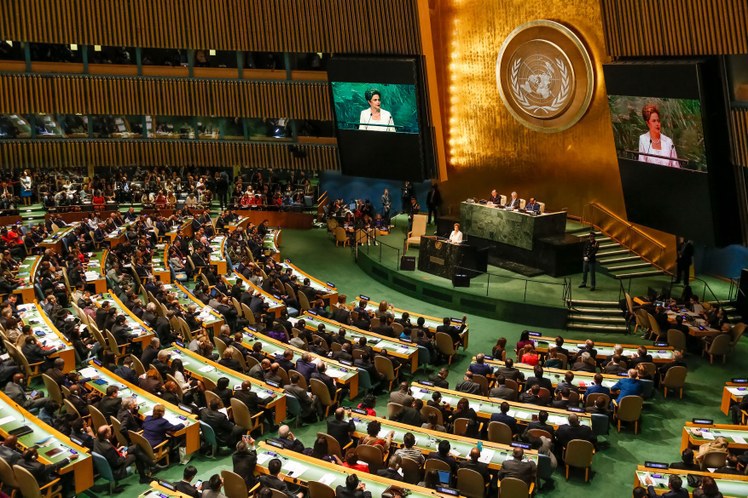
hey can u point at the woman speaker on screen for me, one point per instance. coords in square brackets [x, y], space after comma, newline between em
[654, 147]
[374, 118]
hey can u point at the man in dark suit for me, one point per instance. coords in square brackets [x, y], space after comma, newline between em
[245, 460]
[110, 404]
[589, 256]
[641, 357]
[674, 484]
[468, 385]
[480, 367]
[574, 430]
[352, 489]
[16, 391]
[56, 372]
[505, 418]
[9, 450]
[339, 429]
[322, 376]
[501, 390]
[247, 396]
[443, 455]
[309, 403]
[409, 415]
[117, 461]
[473, 464]
[451, 330]
[272, 481]
[305, 366]
[185, 485]
[440, 379]
[150, 352]
[391, 471]
[684, 260]
[128, 417]
[101, 315]
[538, 379]
[540, 423]
[515, 467]
[42, 473]
[126, 372]
[227, 432]
[509, 372]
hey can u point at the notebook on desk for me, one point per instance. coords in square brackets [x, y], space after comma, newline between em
[21, 431]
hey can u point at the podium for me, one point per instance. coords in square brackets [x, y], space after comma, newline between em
[439, 257]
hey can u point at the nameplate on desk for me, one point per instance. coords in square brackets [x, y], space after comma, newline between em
[178, 343]
[330, 284]
[251, 328]
[76, 440]
[313, 313]
[517, 444]
[702, 421]
[661, 344]
[167, 485]
[436, 261]
[534, 334]
[97, 362]
[359, 411]
[656, 465]
[575, 409]
[272, 383]
[274, 442]
[447, 491]
[406, 339]
[184, 407]
[346, 362]
[426, 382]
[455, 320]
[365, 298]
[741, 380]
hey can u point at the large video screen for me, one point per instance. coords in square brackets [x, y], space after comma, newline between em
[379, 117]
[375, 106]
[660, 131]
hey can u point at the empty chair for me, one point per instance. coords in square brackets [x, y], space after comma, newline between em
[8, 479]
[372, 455]
[578, 453]
[628, 410]
[719, 346]
[675, 378]
[317, 490]
[53, 388]
[104, 470]
[713, 460]
[160, 452]
[511, 487]
[417, 231]
[736, 332]
[412, 473]
[470, 483]
[209, 436]
[234, 485]
[434, 464]
[499, 432]
[676, 339]
[30, 488]
[341, 237]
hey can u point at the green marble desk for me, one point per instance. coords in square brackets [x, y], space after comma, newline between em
[731, 486]
[513, 228]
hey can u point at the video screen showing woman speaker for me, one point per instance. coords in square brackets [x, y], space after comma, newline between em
[380, 107]
[659, 131]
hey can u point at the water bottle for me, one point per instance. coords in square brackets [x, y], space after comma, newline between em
[480, 445]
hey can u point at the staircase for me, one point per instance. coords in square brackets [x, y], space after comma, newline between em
[595, 316]
[616, 260]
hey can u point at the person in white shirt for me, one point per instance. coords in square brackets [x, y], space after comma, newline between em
[374, 118]
[456, 236]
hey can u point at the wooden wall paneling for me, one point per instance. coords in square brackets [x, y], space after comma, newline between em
[739, 139]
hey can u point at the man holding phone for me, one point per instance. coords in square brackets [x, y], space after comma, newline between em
[185, 485]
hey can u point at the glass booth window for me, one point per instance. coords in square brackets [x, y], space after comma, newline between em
[737, 68]
[14, 126]
[56, 52]
[312, 61]
[109, 126]
[11, 50]
[215, 58]
[98, 54]
[163, 57]
[45, 125]
[314, 128]
[73, 125]
[263, 60]
[172, 127]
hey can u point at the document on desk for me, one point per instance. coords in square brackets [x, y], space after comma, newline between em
[88, 372]
[5, 420]
[294, 469]
[486, 455]
[206, 368]
[327, 479]
[738, 439]
[263, 457]
[335, 373]
[707, 435]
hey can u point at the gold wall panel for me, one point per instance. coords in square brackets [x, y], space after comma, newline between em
[17, 154]
[675, 27]
[67, 94]
[739, 136]
[333, 26]
[487, 148]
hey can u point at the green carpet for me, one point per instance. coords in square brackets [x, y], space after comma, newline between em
[314, 251]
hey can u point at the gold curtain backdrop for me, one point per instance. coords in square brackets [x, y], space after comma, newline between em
[486, 146]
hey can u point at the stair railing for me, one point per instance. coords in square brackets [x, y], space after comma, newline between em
[629, 236]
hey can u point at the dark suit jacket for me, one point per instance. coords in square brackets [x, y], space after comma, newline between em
[116, 461]
[249, 399]
[244, 465]
[541, 381]
[508, 420]
[269, 481]
[479, 467]
[343, 492]
[410, 416]
[42, 473]
[390, 474]
[566, 433]
[520, 470]
[447, 459]
[187, 488]
[681, 493]
[341, 430]
[109, 406]
[221, 425]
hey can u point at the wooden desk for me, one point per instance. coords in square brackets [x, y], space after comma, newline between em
[660, 354]
[298, 468]
[160, 266]
[427, 441]
[276, 304]
[328, 291]
[242, 222]
[143, 331]
[430, 322]
[27, 274]
[146, 402]
[211, 319]
[203, 368]
[271, 244]
[732, 393]
[485, 406]
[399, 349]
[54, 242]
[693, 435]
[556, 375]
[118, 236]
[185, 229]
[697, 326]
[158, 491]
[217, 255]
[48, 441]
[96, 270]
[731, 486]
[45, 331]
[272, 349]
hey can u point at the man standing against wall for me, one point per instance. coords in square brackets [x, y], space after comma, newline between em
[589, 254]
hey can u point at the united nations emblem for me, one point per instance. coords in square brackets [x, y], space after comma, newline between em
[545, 76]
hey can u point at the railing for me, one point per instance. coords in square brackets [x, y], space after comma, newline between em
[489, 284]
[629, 236]
[702, 295]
